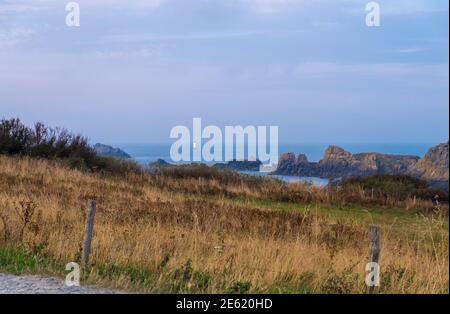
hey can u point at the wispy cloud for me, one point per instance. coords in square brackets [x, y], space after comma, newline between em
[14, 36]
[9, 7]
[121, 4]
[259, 7]
[199, 35]
[139, 37]
[386, 70]
[400, 7]
[409, 50]
[149, 52]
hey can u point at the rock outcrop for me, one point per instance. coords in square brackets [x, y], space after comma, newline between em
[339, 163]
[109, 151]
[244, 165]
[433, 167]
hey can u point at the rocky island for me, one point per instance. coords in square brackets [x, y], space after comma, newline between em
[338, 163]
[109, 151]
[241, 165]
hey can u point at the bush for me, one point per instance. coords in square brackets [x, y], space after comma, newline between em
[399, 187]
[239, 288]
[58, 143]
[42, 141]
[202, 171]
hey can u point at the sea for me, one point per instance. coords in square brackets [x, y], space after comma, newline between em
[147, 153]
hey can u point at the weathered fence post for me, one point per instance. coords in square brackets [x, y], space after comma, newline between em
[374, 256]
[88, 231]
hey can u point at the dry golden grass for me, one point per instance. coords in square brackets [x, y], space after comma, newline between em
[157, 234]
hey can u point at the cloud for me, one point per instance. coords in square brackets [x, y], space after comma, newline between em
[260, 7]
[198, 35]
[381, 70]
[406, 7]
[120, 4]
[139, 37]
[14, 8]
[8, 8]
[389, 7]
[149, 52]
[17, 6]
[14, 36]
[401, 7]
[269, 6]
[409, 50]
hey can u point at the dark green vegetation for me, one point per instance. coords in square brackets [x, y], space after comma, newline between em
[40, 141]
[23, 261]
[400, 187]
[202, 171]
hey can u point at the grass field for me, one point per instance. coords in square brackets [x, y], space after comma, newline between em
[161, 234]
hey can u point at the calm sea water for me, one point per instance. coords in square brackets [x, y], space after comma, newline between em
[288, 179]
[146, 153]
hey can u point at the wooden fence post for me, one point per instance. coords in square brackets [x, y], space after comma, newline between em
[374, 251]
[88, 231]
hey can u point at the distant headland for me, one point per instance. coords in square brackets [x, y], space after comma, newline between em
[338, 163]
[109, 151]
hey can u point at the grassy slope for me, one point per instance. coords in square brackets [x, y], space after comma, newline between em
[151, 238]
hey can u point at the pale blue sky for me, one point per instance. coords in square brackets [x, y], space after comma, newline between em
[134, 69]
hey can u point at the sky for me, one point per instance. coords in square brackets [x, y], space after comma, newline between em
[135, 69]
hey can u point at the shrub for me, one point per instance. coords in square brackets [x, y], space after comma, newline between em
[399, 187]
[57, 143]
[202, 171]
[239, 288]
[42, 141]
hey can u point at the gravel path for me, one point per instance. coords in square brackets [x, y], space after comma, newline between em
[10, 284]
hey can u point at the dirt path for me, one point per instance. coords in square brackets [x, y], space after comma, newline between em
[10, 284]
